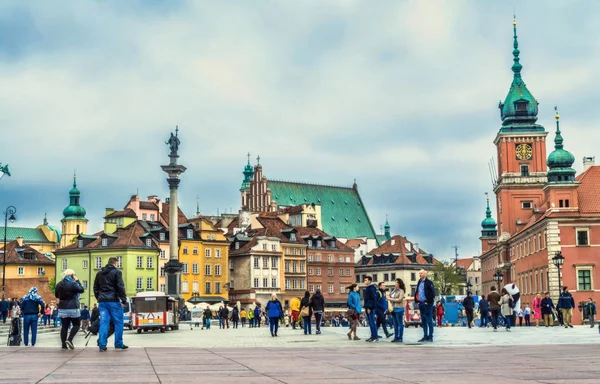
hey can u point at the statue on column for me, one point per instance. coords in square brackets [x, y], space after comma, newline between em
[174, 142]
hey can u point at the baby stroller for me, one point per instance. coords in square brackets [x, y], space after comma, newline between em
[14, 336]
[94, 329]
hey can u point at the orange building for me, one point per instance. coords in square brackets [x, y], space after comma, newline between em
[543, 209]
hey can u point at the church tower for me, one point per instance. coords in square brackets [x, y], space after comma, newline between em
[387, 228]
[74, 221]
[245, 188]
[561, 190]
[521, 151]
[489, 234]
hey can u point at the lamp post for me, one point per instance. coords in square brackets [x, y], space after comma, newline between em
[558, 261]
[469, 285]
[9, 214]
[498, 276]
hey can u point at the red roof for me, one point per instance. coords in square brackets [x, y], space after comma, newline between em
[588, 192]
[181, 218]
[128, 212]
[125, 237]
[355, 243]
[464, 263]
[401, 247]
[24, 254]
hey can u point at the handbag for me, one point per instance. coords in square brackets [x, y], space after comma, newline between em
[390, 307]
[351, 312]
[305, 311]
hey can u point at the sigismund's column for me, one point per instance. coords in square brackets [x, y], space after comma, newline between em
[173, 267]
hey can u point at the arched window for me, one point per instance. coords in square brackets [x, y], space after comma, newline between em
[77, 229]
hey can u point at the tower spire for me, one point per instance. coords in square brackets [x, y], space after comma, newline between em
[388, 234]
[197, 205]
[74, 179]
[558, 140]
[516, 68]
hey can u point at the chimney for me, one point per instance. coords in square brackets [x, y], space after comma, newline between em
[109, 211]
[393, 242]
[588, 161]
[20, 241]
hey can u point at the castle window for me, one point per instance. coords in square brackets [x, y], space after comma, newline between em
[524, 170]
[583, 237]
[526, 204]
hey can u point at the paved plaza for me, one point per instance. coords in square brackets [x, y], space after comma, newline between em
[458, 355]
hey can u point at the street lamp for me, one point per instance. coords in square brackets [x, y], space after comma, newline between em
[9, 211]
[498, 276]
[558, 261]
[469, 285]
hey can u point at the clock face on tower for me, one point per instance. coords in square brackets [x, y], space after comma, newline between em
[524, 151]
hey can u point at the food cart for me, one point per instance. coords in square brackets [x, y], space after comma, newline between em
[155, 311]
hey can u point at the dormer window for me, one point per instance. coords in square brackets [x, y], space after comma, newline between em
[190, 233]
[237, 245]
[104, 242]
[333, 244]
[292, 237]
[310, 243]
[521, 106]
[318, 243]
[29, 256]
[80, 244]
[148, 242]
[161, 236]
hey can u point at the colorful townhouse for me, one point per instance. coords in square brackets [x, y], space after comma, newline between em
[135, 248]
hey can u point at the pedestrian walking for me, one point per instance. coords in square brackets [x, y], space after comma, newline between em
[4, 309]
[370, 305]
[32, 307]
[590, 311]
[109, 291]
[520, 316]
[397, 300]
[566, 305]
[424, 295]
[243, 317]
[506, 304]
[306, 313]
[382, 309]
[317, 303]
[67, 292]
[274, 313]
[536, 305]
[354, 310]
[235, 317]
[207, 317]
[493, 301]
[527, 315]
[439, 312]
[251, 318]
[257, 315]
[484, 309]
[295, 307]
[469, 305]
[85, 318]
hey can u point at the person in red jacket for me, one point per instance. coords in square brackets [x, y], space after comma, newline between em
[439, 311]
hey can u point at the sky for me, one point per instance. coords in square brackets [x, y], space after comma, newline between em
[400, 95]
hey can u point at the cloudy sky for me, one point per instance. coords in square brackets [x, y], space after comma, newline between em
[401, 95]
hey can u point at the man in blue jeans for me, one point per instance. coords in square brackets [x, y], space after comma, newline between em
[425, 295]
[109, 291]
[32, 307]
[370, 306]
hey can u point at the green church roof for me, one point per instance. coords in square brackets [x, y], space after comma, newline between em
[343, 213]
[248, 174]
[488, 224]
[29, 235]
[519, 110]
[74, 211]
[560, 161]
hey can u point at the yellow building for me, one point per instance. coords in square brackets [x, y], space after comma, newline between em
[25, 268]
[44, 238]
[204, 253]
[74, 222]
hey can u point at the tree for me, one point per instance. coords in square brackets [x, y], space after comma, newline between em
[447, 279]
[52, 284]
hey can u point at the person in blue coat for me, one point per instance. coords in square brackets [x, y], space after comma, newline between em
[32, 307]
[274, 313]
[354, 310]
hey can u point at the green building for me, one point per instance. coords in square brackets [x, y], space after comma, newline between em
[136, 249]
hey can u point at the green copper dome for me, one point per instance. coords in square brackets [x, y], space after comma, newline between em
[74, 211]
[386, 227]
[560, 161]
[488, 224]
[248, 174]
[519, 110]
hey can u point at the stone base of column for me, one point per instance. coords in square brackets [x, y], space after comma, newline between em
[173, 270]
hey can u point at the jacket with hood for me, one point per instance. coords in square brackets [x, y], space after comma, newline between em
[370, 297]
[67, 291]
[317, 302]
[109, 286]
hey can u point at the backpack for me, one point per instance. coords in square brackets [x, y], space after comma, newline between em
[511, 303]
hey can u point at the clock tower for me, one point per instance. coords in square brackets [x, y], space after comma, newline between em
[521, 146]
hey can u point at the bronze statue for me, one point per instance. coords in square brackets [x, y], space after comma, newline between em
[174, 142]
[4, 169]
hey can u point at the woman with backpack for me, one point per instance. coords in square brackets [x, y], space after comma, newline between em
[506, 304]
[67, 292]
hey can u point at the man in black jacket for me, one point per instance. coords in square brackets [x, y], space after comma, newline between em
[370, 306]
[109, 291]
[469, 305]
[424, 296]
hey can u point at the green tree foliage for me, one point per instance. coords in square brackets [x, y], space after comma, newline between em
[447, 279]
[52, 284]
